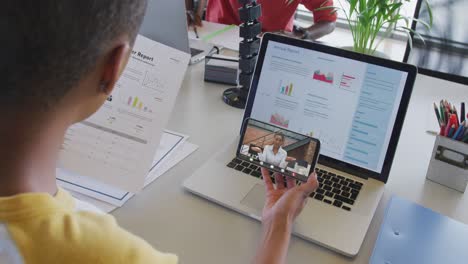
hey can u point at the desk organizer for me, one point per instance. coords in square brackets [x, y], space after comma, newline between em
[449, 164]
[221, 69]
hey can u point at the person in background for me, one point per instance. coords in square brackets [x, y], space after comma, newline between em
[194, 14]
[277, 16]
[61, 61]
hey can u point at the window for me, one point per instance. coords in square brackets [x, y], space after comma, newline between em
[445, 51]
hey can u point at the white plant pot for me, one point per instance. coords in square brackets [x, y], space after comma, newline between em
[376, 53]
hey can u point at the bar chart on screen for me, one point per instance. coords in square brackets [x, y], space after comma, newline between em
[286, 88]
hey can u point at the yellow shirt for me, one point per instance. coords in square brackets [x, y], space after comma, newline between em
[39, 228]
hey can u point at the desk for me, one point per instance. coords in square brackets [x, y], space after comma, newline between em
[199, 231]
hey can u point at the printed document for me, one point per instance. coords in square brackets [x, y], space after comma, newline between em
[116, 145]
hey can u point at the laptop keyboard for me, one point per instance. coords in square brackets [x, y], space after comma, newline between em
[335, 190]
[245, 167]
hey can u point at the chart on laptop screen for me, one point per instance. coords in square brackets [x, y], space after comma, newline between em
[349, 105]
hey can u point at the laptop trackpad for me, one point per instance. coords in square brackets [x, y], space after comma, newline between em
[255, 199]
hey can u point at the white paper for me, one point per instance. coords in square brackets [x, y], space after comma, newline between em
[116, 145]
[176, 156]
[184, 151]
[228, 36]
[170, 142]
[92, 188]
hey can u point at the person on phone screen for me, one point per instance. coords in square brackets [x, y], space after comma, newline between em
[274, 154]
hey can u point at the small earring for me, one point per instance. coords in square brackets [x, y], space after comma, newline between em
[103, 86]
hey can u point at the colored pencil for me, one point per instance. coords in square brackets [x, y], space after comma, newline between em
[462, 112]
[437, 114]
[451, 131]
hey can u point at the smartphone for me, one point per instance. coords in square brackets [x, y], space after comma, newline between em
[279, 150]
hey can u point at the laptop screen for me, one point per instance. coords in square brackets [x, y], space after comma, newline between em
[161, 13]
[349, 105]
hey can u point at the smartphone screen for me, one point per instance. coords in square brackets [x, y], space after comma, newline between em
[280, 150]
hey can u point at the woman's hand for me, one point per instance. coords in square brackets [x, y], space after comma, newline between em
[283, 204]
[286, 200]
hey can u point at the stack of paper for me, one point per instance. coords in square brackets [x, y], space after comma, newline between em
[108, 156]
[173, 148]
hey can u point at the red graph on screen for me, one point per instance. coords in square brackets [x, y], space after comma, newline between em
[279, 120]
[327, 78]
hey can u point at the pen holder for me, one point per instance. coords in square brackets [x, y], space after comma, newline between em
[449, 163]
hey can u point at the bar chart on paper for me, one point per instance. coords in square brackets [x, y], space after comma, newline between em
[136, 103]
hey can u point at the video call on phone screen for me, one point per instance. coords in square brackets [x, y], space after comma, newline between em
[278, 149]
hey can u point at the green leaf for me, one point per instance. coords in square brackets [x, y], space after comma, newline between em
[407, 20]
[423, 22]
[394, 7]
[429, 11]
[394, 20]
[362, 5]
[352, 4]
[416, 33]
[410, 40]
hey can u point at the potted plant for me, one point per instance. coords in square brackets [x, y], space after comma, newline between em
[367, 19]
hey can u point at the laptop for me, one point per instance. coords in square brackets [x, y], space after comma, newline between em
[354, 104]
[166, 22]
